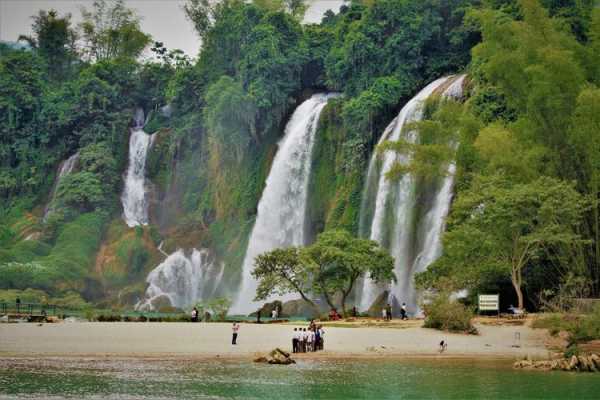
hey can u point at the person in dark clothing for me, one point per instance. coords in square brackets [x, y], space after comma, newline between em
[354, 312]
[295, 341]
[388, 310]
[403, 315]
[258, 317]
[195, 315]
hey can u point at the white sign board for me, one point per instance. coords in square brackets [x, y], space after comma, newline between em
[489, 302]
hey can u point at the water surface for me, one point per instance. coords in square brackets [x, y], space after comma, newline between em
[356, 379]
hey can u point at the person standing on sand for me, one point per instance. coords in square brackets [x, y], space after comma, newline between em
[234, 329]
[384, 313]
[195, 315]
[403, 312]
[295, 341]
[321, 337]
[304, 340]
[388, 311]
[258, 316]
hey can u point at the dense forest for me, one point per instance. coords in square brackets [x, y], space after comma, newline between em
[526, 141]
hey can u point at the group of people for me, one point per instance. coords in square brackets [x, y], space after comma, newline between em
[386, 312]
[308, 339]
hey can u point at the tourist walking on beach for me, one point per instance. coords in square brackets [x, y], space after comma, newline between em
[195, 315]
[384, 313]
[274, 313]
[403, 311]
[388, 311]
[234, 329]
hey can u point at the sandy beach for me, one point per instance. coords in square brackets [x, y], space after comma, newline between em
[213, 339]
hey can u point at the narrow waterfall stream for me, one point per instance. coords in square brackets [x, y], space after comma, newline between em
[391, 210]
[64, 169]
[135, 193]
[282, 207]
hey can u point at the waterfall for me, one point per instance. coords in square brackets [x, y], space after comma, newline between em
[135, 193]
[281, 210]
[394, 203]
[64, 169]
[181, 280]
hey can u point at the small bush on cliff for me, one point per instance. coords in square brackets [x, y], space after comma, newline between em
[449, 315]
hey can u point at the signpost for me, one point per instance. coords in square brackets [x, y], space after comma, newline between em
[489, 302]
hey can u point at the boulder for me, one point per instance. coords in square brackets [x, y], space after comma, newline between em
[299, 308]
[267, 309]
[380, 302]
[276, 356]
[161, 302]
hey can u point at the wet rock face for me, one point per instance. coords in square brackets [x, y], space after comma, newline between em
[581, 363]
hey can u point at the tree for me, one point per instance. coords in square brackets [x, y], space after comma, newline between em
[112, 31]
[498, 228]
[336, 260]
[330, 267]
[54, 40]
[280, 272]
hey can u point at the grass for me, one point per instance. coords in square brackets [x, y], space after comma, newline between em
[581, 328]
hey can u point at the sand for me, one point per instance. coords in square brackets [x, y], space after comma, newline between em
[214, 339]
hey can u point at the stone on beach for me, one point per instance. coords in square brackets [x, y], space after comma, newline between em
[276, 356]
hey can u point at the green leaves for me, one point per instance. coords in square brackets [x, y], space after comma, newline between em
[329, 267]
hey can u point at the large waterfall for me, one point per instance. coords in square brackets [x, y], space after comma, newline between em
[135, 193]
[281, 210]
[182, 280]
[391, 209]
[64, 169]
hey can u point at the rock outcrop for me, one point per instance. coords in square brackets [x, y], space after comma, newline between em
[276, 356]
[581, 363]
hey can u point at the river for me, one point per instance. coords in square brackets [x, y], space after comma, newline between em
[86, 378]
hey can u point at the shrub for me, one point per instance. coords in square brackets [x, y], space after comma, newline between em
[588, 328]
[555, 323]
[449, 315]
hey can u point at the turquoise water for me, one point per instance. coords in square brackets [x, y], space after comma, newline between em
[357, 379]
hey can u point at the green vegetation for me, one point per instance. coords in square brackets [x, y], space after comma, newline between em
[526, 205]
[444, 313]
[525, 141]
[329, 268]
[580, 328]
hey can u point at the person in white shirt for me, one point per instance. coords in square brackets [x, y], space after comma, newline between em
[301, 343]
[274, 313]
[234, 329]
[384, 313]
[311, 340]
[321, 338]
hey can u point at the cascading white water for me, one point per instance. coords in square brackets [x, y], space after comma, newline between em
[180, 279]
[282, 207]
[135, 193]
[65, 168]
[400, 197]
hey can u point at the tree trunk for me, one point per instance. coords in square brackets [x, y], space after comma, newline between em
[516, 281]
